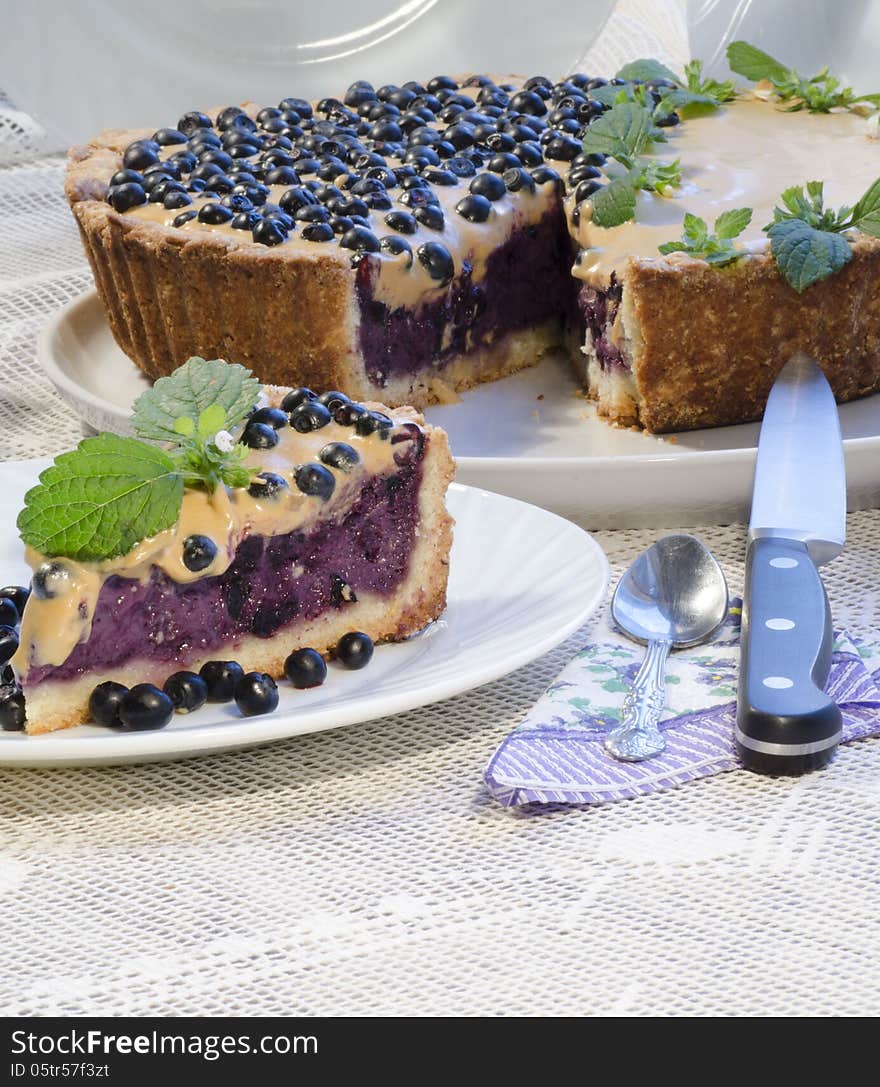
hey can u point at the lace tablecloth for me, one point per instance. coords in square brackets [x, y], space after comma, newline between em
[366, 871]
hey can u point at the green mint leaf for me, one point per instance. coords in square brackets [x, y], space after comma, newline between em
[746, 60]
[646, 70]
[191, 389]
[866, 213]
[99, 500]
[614, 203]
[805, 255]
[715, 248]
[731, 223]
[212, 419]
[622, 132]
[659, 177]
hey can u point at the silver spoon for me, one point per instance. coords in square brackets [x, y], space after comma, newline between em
[673, 596]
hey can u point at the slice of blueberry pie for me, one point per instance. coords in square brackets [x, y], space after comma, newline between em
[240, 529]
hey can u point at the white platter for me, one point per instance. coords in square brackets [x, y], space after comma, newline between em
[545, 582]
[530, 436]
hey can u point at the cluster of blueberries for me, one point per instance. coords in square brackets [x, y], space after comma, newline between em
[12, 601]
[343, 160]
[306, 411]
[146, 707]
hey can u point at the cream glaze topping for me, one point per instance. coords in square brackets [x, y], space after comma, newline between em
[396, 283]
[742, 155]
[51, 628]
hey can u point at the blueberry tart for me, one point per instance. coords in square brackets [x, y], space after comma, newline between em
[157, 558]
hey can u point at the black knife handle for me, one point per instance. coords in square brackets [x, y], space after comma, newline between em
[785, 722]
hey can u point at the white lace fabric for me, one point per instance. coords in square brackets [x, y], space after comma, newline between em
[367, 872]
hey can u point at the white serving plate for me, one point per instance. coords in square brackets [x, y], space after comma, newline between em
[531, 436]
[545, 582]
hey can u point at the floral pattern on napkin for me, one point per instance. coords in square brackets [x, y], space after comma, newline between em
[557, 754]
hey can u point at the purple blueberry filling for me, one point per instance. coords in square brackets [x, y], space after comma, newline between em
[527, 283]
[599, 309]
[272, 582]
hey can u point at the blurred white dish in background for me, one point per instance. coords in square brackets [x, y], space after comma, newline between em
[98, 64]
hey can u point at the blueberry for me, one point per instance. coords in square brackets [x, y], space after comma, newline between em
[668, 121]
[145, 707]
[312, 213]
[441, 83]
[269, 232]
[401, 221]
[474, 208]
[140, 154]
[354, 650]
[333, 399]
[259, 436]
[397, 246]
[192, 122]
[437, 260]
[187, 691]
[256, 693]
[308, 416]
[293, 199]
[341, 223]
[185, 217]
[528, 102]
[165, 137]
[340, 455]
[305, 668]
[12, 711]
[542, 174]
[529, 153]
[220, 678]
[501, 141]
[581, 173]
[431, 216]
[18, 594]
[50, 579]
[318, 232]
[245, 220]
[585, 190]
[371, 421]
[267, 485]
[461, 167]
[517, 179]
[205, 171]
[489, 185]
[216, 157]
[123, 197]
[198, 552]
[505, 160]
[295, 397]
[315, 480]
[8, 643]
[275, 417]
[272, 213]
[175, 199]
[236, 201]
[359, 92]
[104, 703]
[282, 175]
[122, 177]
[9, 616]
[360, 239]
[436, 175]
[349, 414]
[214, 214]
[418, 198]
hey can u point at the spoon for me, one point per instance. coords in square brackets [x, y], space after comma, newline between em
[673, 596]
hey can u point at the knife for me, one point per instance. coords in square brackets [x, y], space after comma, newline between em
[785, 722]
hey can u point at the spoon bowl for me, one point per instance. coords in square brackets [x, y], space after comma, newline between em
[674, 590]
[673, 596]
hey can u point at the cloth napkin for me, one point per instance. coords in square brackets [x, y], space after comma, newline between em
[556, 755]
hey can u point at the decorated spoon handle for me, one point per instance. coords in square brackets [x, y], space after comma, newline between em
[637, 736]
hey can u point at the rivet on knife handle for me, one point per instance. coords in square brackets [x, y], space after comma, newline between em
[785, 721]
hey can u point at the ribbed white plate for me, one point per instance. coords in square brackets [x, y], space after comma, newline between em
[521, 580]
[531, 436]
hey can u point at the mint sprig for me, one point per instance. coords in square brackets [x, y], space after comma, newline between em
[102, 498]
[818, 94]
[193, 387]
[716, 247]
[689, 95]
[808, 240]
[624, 133]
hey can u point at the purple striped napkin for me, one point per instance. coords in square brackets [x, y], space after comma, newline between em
[556, 756]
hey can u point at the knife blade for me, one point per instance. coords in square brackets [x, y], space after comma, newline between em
[785, 721]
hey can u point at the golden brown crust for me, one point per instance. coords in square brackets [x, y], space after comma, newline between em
[706, 344]
[418, 601]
